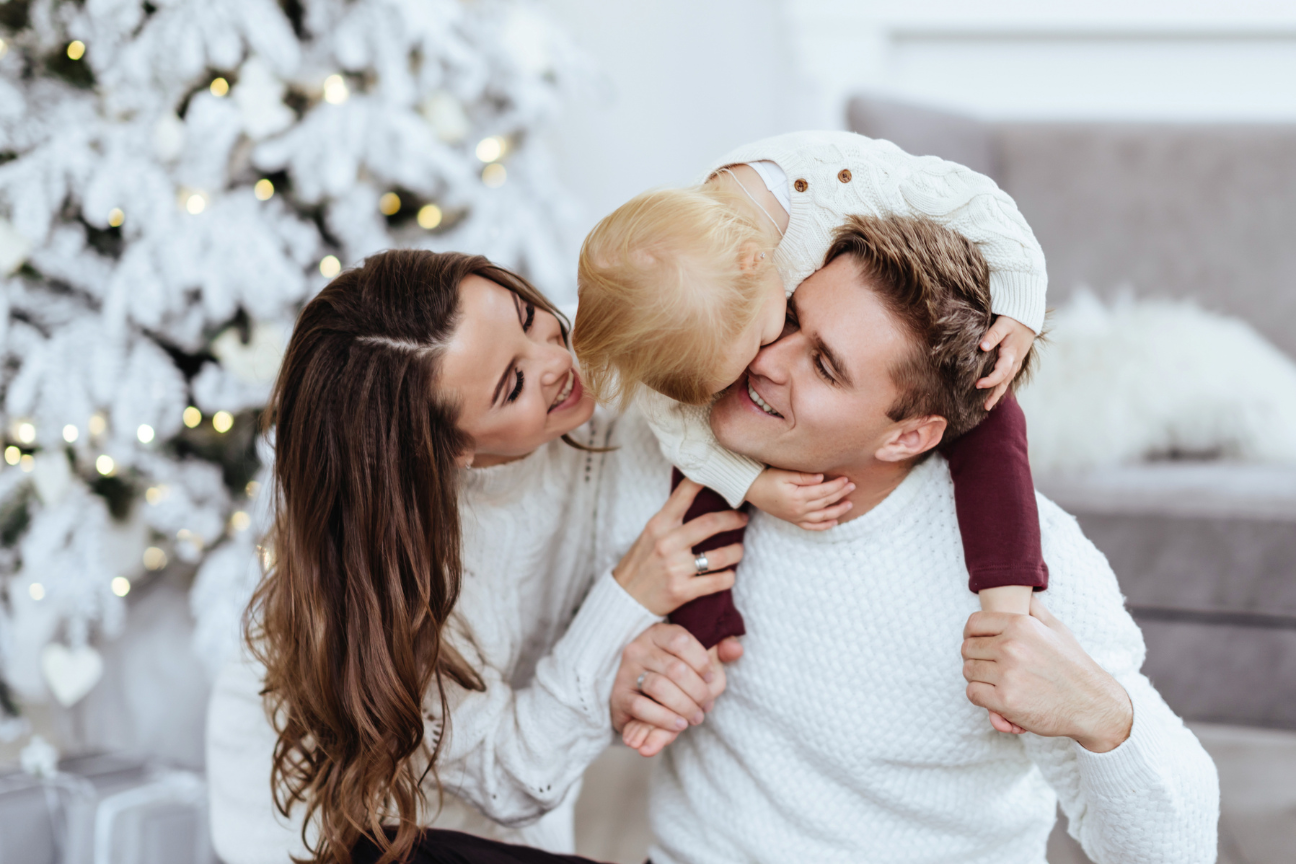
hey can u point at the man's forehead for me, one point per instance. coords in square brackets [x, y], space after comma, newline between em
[839, 308]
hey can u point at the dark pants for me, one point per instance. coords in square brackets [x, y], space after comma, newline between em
[453, 847]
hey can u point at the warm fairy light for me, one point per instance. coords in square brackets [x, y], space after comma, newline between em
[36, 590]
[219, 87]
[12, 455]
[494, 175]
[389, 204]
[144, 433]
[97, 424]
[155, 494]
[121, 585]
[429, 216]
[26, 432]
[116, 216]
[330, 266]
[240, 521]
[70, 433]
[27, 463]
[222, 421]
[196, 203]
[184, 535]
[105, 465]
[490, 149]
[263, 189]
[192, 417]
[252, 488]
[154, 558]
[76, 49]
[335, 90]
[4, 47]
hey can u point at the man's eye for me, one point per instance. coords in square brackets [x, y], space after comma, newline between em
[821, 369]
[530, 317]
[517, 389]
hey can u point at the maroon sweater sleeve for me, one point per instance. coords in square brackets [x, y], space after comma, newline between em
[995, 498]
[714, 617]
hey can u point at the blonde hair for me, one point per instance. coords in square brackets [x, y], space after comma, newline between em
[663, 295]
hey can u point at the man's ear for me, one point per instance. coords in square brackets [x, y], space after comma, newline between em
[911, 438]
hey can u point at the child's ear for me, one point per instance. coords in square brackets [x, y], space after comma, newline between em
[912, 438]
[750, 256]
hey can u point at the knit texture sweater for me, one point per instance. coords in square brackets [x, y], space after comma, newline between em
[540, 617]
[845, 734]
[835, 175]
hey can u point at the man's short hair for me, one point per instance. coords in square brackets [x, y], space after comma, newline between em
[936, 285]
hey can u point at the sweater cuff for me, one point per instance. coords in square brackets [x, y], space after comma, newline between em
[608, 620]
[1019, 296]
[727, 473]
[1131, 769]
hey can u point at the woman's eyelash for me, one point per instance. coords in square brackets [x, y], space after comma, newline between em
[530, 317]
[517, 389]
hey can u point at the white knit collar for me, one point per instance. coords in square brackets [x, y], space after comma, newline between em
[509, 480]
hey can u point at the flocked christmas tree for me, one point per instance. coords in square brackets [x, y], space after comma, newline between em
[176, 178]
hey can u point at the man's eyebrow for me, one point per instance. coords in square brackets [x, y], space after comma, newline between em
[833, 360]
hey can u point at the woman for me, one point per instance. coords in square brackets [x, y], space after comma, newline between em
[442, 613]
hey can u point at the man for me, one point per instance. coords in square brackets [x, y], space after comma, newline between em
[851, 729]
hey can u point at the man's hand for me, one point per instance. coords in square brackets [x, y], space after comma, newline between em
[1033, 672]
[1014, 340]
[649, 739]
[805, 500]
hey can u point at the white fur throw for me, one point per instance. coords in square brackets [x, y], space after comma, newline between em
[1141, 379]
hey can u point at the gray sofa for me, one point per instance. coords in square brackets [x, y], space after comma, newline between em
[1206, 551]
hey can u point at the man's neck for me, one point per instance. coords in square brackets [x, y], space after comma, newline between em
[873, 481]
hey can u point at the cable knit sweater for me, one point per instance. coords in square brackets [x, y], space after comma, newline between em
[845, 733]
[839, 174]
[547, 624]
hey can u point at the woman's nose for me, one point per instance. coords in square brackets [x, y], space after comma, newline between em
[556, 362]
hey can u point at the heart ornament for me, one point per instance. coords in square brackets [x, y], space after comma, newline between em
[71, 673]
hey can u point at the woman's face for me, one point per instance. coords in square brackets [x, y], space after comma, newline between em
[511, 374]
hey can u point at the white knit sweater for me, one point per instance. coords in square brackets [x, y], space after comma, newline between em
[548, 623]
[845, 734]
[835, 175]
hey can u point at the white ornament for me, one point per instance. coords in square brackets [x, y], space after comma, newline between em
[259, 95]
[70, 673]
[258, 361]
[53, 476]
[39, 758]
[14, 248]
[446, 115]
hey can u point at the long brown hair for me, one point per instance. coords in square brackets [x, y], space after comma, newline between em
[366, 549]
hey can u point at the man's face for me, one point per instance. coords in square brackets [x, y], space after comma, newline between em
[827, 380]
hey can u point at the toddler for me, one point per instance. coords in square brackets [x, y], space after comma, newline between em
[680, 288]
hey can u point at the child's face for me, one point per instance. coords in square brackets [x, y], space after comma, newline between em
[765, 328]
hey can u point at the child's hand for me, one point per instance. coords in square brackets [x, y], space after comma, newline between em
[802, 499]
[1014, 340]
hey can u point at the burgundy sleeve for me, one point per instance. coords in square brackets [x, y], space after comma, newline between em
[995, 499]
[714, 617]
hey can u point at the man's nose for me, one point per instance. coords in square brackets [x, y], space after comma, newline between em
[773, 360]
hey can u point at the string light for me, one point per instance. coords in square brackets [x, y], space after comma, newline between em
[240, 521]
[429, 216]
[26, 432]
[330, 266]
[27, 463]
[219, 87]
[36, 590]
[105, 465]
[196, 203]
[155, 494]
[75, 49]
[154, 558]
[144, 433]
[12, 455]
[116, 217]
[494, 175]
[121, 586]
[490, 149]
[97, 424]
[335, 90]
[192, 417]
[263, 189]
[70, 433]
[4, 47]
[252, 488]
[184, 535]
[222, 421]
[389, 204]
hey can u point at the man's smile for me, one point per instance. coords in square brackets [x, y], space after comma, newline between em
[758, 401]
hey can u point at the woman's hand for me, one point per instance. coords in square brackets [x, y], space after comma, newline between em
[665, 679]
[660, 570]
[1014, 340]
[805, 500]
[648, 724]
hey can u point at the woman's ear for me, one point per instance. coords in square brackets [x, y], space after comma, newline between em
[911, 438]
[465, 459]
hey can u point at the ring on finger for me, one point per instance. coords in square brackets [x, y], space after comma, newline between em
[701, 563]
[639, 681]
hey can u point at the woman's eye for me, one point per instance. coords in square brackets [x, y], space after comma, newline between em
[530, 317]
[517, 388]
